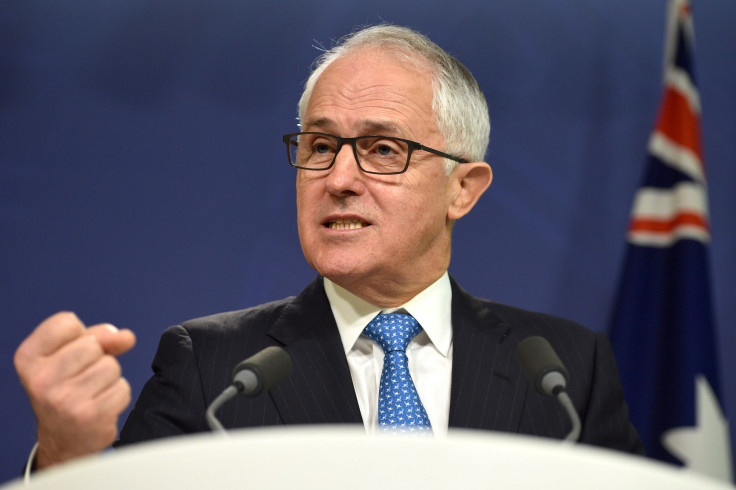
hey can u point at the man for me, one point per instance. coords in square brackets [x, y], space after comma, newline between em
[375, 217]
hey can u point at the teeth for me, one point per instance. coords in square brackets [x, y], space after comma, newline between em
[346, 224]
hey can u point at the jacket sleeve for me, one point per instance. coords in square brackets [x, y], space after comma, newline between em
[172, 402]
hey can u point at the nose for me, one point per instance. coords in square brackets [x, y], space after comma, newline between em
[345, 177]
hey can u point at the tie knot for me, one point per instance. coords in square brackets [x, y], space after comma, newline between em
[392, 331]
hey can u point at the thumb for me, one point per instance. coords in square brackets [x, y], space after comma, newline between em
[113, 341]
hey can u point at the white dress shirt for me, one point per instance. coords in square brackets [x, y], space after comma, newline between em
[429, 353]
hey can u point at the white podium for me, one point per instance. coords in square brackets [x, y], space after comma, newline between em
[338, 458]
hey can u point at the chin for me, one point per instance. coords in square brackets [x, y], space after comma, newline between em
[339, 271]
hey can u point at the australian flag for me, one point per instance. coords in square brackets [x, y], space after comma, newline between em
[662, 328]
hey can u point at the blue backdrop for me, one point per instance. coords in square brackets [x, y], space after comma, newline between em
[143, 180]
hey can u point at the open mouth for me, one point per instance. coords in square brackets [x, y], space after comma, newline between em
[346, 224]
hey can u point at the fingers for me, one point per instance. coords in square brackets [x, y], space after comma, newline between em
[61, 347]
[61, 328]
[54, 332]
[97, 378]
[115, 399]
[89, 419]
[88, 426]
[40, 374]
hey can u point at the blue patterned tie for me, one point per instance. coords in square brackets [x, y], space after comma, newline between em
[399, 406]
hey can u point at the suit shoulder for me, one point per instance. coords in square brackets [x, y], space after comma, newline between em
[259, 317]
[524, 322]
[513, 314]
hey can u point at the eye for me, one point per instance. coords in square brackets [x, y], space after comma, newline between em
[382, 147]
[384, 150]
[322, 146]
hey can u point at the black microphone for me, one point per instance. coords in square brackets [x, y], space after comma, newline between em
[251, 377]
[261, 371]
[548, 375]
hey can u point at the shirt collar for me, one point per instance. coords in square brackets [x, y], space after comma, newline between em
[431, 308]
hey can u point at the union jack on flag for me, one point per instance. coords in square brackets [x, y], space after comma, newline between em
[662, 328]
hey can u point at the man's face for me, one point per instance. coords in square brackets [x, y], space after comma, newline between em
[370, 233]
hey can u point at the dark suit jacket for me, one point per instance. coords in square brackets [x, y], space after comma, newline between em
[194, 364]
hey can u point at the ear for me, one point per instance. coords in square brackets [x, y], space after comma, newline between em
[468, 181]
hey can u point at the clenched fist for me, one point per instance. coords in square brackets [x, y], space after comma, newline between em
[74, 384]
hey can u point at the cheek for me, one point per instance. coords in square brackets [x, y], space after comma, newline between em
[304, 209]
[426, 201]
[305, 200]
[414, 222]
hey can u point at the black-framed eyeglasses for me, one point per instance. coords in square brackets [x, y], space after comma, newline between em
[374, 154]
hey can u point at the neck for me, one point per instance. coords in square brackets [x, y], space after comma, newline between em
[386, 294]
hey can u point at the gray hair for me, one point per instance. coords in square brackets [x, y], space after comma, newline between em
[458, 102]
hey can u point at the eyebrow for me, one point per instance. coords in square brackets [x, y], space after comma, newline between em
[323, 123]
[368, 127]
[381, 127]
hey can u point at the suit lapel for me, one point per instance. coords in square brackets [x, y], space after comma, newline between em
[487, 391]
[319, 389]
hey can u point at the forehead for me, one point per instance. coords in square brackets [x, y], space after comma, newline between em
[372, 87]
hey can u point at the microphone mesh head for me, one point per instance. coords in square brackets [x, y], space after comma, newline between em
[537, 358]
[271, 366]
